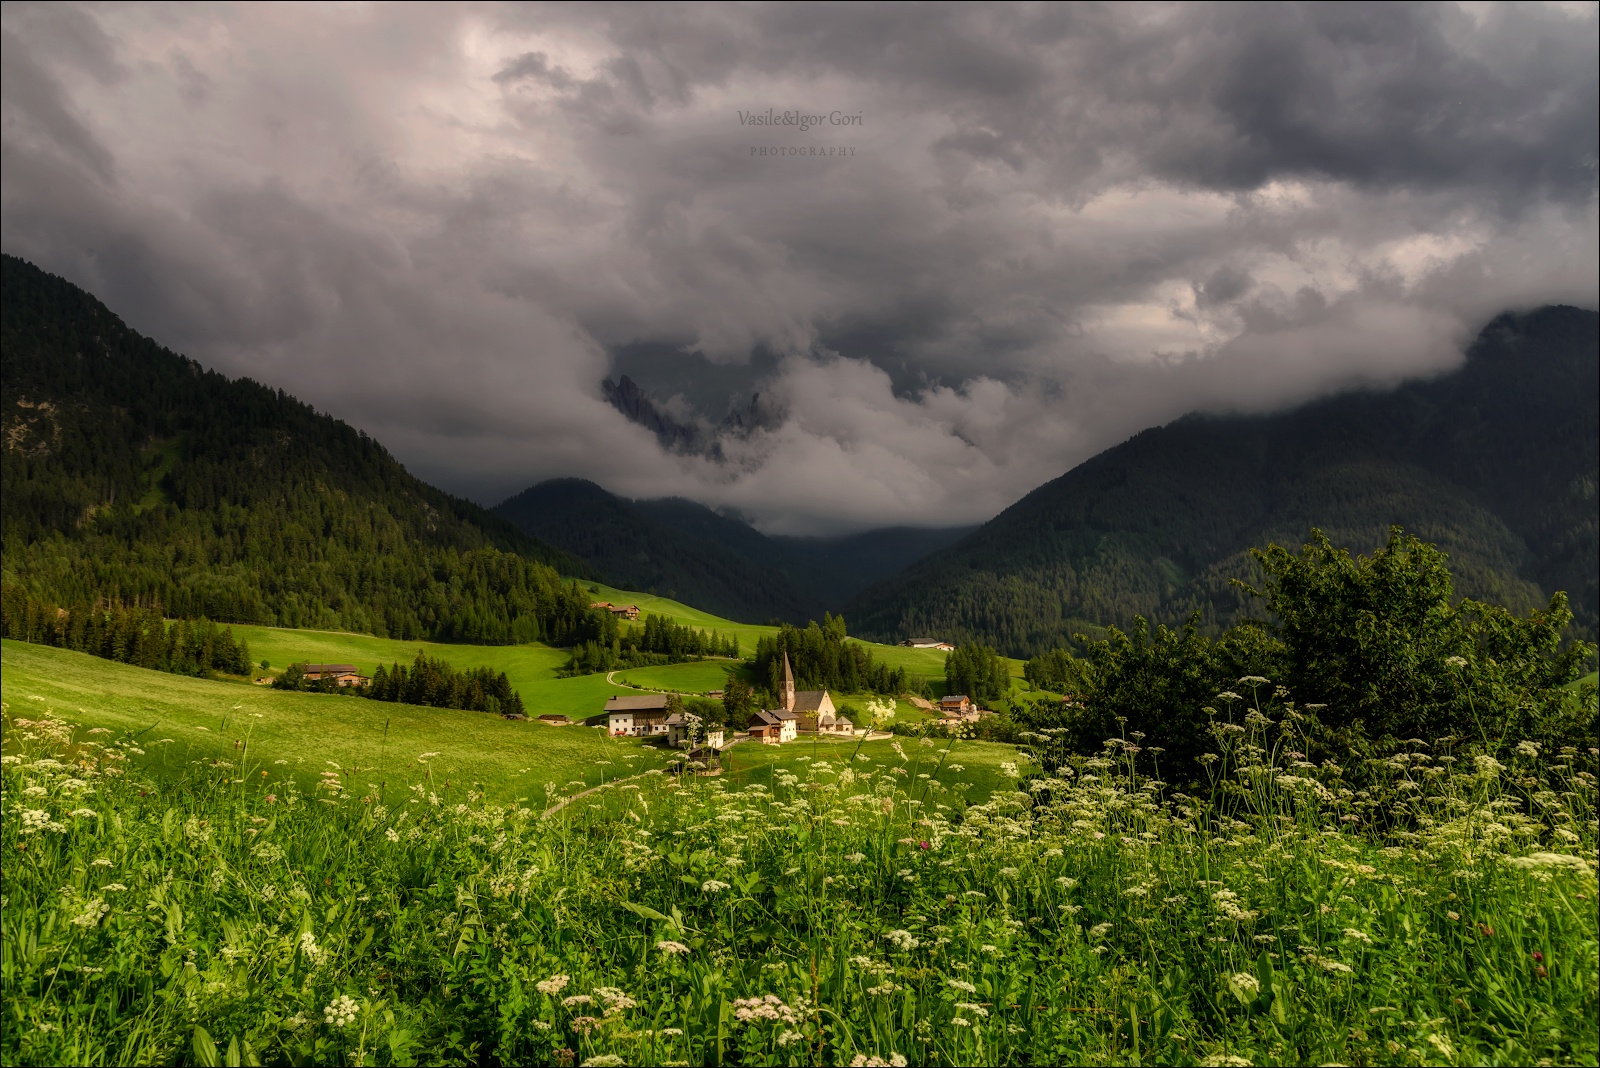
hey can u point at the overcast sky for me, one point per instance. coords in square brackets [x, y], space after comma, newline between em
[1017, 235]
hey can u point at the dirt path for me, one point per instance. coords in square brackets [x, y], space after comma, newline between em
[559, 805]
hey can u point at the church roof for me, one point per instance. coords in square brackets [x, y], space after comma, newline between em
[808, 700]
[788, 675]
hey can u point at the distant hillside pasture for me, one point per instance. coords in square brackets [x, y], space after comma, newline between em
[206, 719]
[649, 604]
[695, 677]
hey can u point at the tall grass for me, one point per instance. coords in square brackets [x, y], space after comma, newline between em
[1417, 909]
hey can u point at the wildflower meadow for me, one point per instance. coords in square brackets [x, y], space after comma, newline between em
[1426, 904]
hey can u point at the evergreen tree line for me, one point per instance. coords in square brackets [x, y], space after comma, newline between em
[979, 672]
[1057, 671]
[429, 681]
[822, 660]
[659, 641]
[137, 636]
[133, 476]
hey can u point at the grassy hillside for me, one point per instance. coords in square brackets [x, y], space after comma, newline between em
[206, 719]
[510, 759]
[1496, 463]
[133, 475]
[792, 911]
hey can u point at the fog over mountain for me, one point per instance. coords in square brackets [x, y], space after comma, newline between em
[1007, 237]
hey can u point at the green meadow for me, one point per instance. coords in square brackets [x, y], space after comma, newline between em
[649, 604]
[695, 677]
[219, 720]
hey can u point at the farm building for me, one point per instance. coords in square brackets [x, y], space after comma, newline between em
[621, 611]
[928, 643]
[774, 727]
[637, 717]
[555, 721]
[343, 674]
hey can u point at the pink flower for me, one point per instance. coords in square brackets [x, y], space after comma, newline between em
[272, 799]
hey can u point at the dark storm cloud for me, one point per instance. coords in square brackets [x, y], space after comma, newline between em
[1051, 227]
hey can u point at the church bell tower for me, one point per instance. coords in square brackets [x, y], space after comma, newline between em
[788, 685]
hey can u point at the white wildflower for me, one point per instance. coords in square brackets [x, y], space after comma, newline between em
[341, 1011]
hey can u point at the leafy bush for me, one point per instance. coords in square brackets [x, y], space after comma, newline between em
[1373, 645]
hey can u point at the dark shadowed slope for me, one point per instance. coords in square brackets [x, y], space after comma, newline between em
[134, 475]
[1496, 463]
[639, 550]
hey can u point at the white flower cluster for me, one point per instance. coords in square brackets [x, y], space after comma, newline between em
[863, 1061]
[615, 1000]
[313, 953]
[341, 1012]
[35, 820]
[771, 1007]
[902, 940]
[552, 985]
[92, 913]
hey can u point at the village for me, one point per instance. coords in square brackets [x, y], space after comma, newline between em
[802, 715]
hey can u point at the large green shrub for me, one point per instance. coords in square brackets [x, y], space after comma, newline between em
[1373, 645]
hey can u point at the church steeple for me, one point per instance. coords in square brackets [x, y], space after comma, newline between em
[788, 685]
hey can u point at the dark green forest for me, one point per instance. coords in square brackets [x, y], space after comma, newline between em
[692, 554]
[1495, 463]
[659, 641]
[821, 659]
[134, 477]
[137, 636]
[1370, 648]
[646, 554]
[437, 684]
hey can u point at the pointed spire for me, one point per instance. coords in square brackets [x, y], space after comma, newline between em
[788, 684]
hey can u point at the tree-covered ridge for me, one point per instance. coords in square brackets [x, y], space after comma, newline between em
[659, 641]
[135, 636]
[635, 548]
[435, 683]
[821, 659]
[1496, 463]
[132, 475]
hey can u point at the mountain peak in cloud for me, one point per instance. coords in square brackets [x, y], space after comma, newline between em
[1051, 227]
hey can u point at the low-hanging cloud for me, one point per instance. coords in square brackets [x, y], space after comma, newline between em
[1017, 235]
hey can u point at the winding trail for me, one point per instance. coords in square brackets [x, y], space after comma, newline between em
[559, 805]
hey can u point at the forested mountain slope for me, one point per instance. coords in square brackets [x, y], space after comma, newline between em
[642, 551]
[1496, 463]
[686, 551]
[132, 475]
[829, 570]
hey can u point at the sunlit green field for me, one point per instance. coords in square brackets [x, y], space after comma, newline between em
[748, 634]
[700, 676]
[212, 719]
[827, 911]
[946, 762]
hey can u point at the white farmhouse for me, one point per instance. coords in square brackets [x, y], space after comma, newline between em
[637, 717]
